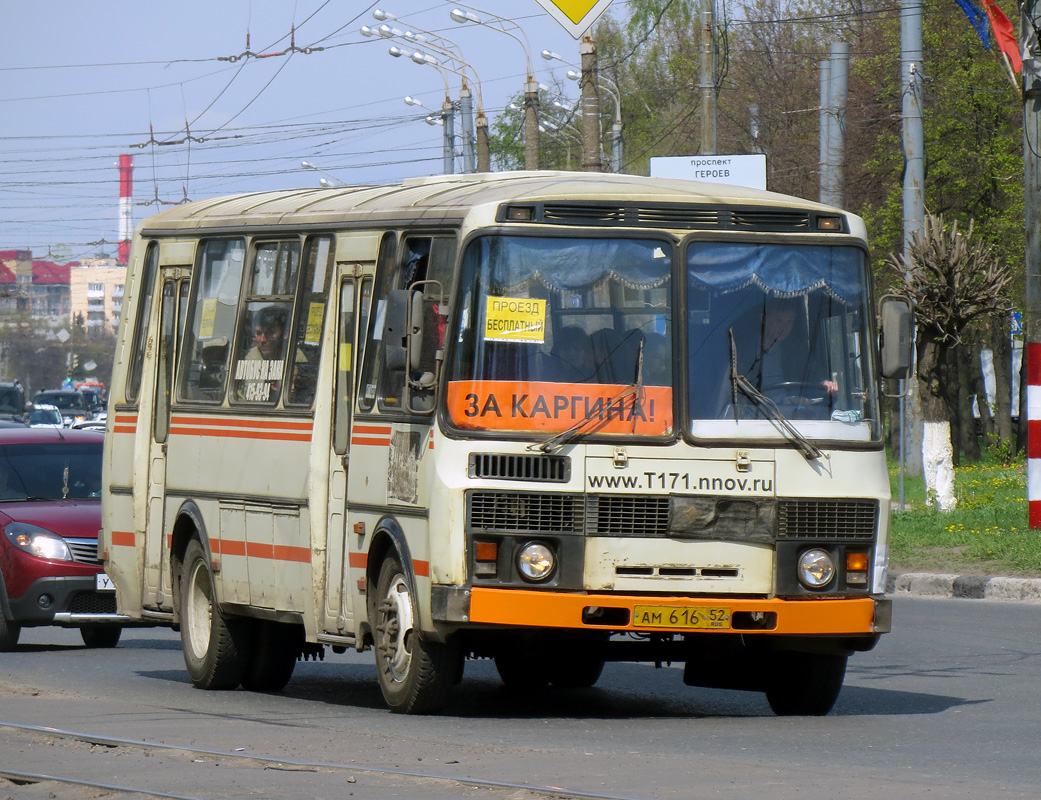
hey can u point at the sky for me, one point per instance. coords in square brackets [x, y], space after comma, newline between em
[169, 84]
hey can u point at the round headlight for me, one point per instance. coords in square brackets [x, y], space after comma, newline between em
[535, 561]
[816, 568]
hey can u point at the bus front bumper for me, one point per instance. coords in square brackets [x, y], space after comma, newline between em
[822, 615]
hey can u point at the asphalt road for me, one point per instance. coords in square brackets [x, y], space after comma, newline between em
[946, 706]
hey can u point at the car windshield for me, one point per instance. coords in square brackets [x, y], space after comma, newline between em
[45, 416]
[562, 335]
[50, 471]
[779, 333]
[62, 400]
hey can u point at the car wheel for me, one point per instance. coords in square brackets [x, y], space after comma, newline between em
[415, 674]
[274, 655]
[9, 633]
[215, 647]
[100, 635]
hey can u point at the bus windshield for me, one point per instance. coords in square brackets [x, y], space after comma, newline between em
[780, 328]
[556, 332]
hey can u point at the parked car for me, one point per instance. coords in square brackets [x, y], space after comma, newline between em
[12, 401]
[46, 416]
[50, 513]
[73, 404]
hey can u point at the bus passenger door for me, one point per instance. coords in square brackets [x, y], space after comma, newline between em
[157, 587]
[339, 612]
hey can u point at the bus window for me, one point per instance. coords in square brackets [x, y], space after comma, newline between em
[144, 311]
[370, 372]
[310, 317]
[217, 287]
[264, 333]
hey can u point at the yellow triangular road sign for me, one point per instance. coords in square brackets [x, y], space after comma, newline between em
[575, 16]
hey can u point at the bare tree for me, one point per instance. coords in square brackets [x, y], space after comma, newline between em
[953, 278]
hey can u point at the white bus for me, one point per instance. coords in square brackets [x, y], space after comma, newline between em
[540, 418]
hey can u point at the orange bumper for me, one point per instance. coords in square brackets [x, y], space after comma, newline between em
[812, 616]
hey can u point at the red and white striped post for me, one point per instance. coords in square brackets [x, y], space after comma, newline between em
[1033, 357]
[126, 191]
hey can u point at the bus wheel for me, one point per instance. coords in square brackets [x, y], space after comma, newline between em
[274, 655]
[805, 684]
[576, 671]
[521, 667]
[415, 674]
[214, 646]
[100, 635]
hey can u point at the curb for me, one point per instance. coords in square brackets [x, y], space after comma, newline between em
[929, 584]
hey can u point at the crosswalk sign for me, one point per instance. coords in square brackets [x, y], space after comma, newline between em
[575, 16]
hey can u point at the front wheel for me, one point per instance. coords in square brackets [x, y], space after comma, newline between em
[215, 647]
[415, 674]
[100, 635]
[9, 633]
[805, 684]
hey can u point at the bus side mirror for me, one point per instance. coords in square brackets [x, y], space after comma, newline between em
[897, 337]
[395, 331]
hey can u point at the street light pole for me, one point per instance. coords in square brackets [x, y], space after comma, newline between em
[591, 161]
[531, 86]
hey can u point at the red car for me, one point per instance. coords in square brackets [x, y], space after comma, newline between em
[50, 513]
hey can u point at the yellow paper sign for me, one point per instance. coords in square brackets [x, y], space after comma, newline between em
[209, 314]
[315, 315]
[515, 319]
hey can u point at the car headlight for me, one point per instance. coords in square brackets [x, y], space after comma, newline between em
[816, 568]
[39, 542]
[535, 561]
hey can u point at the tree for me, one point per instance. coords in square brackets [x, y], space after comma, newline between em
[953, 278]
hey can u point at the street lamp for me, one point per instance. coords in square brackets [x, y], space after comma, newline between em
[323, 181]
[531, 87]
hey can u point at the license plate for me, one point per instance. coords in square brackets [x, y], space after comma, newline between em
[681, 617]
[103, 583]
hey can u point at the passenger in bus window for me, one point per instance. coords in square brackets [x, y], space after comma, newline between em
[258, 373]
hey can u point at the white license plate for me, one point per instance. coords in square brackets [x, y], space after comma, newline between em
[103, 583]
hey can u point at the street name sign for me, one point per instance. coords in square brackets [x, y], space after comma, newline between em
[575, 16]
[747, 170]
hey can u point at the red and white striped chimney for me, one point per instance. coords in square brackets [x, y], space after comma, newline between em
[126, 191]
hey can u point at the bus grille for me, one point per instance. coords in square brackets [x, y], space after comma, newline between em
[84, 550]
[579, 213]
[770, 219]
[514, 467]
[524, 511]
[627, 515]
[827, 519]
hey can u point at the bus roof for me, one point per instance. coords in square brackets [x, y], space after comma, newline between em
[447, 199]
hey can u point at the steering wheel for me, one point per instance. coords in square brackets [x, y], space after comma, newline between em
[786, 391]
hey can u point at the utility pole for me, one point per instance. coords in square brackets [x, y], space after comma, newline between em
[448, 136]
[484, 157]
[825, 122]
[914, 194]
[833, 170]
[1031, 21]
[707, 81]
[466, 134]
[591, 159]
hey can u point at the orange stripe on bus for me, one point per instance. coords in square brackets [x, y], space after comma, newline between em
[258, 434]
[122, 539]
[555, 610]
[373, 442]
[376, 429]
[124, 429]
[231, 422]
[271, 552]
[126, 418]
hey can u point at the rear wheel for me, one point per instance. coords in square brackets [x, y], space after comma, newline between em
[274, 656]
[100, 635]
[415, 674]
[805, 684]
[522, 667]
[215, 647]
[576, 672]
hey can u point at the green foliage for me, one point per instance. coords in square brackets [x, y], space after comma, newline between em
[986, 534]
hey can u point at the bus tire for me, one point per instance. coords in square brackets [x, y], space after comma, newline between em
[576, 671]
[805, 684]
[100, 636]
[522, 667]
[273, 659]
[415, 674]
[215, 646]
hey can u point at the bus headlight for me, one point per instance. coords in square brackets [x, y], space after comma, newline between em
[816, 568]
[535, 561]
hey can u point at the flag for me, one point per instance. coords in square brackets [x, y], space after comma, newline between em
[977, 19]
[1004, 34]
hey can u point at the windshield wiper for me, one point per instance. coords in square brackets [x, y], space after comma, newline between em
[565, 436]
[739, 383]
